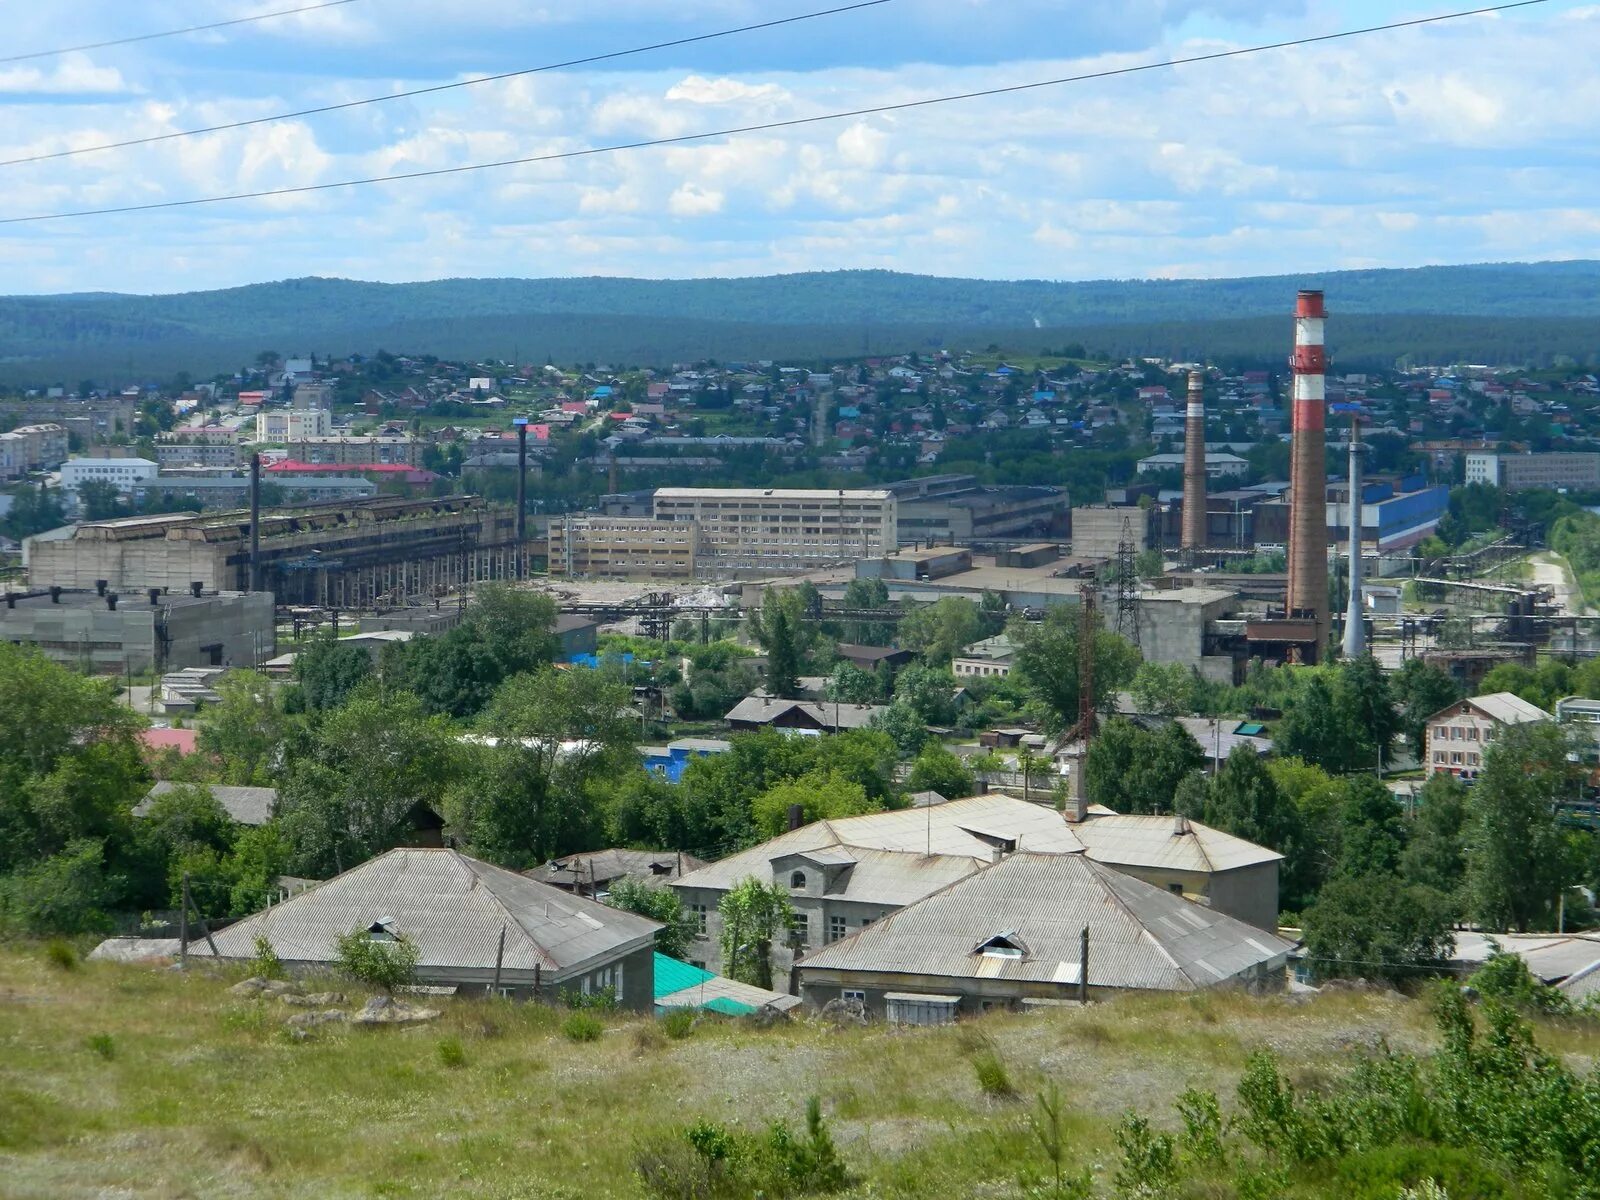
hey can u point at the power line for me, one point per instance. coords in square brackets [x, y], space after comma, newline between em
[766, 126]
[151, 37]
[441, 87]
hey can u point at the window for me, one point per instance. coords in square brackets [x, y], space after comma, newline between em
[799, 931]
[797, 881]
[1175, 888]
[698, 911]
[837, 927]
[852, 994]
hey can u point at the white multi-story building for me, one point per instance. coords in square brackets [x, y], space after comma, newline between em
[293, 424]
[31, 448]
[130, 476]
[783, 529]
[1521, 472]
[1458, 736]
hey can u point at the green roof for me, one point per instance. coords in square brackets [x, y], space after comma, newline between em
[1251, 729]
[732, 1007]
[673, 975]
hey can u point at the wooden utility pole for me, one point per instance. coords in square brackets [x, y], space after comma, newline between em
[499, 959]
[188, 903]
[1083, 966]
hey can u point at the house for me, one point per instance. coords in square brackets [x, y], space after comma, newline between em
[1016, 931]
[1457, 736]
[184, 741]
[869, 658]
[592, 873]
[246, 805]
[767, 712]
[686, 985]
[453, 909]
[991, 658]
[845, 873]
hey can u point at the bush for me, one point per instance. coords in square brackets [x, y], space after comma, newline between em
[993, 1078]
[61, 955]
[582, 1026]
[451, 1052]
[1202, 1126]
[65, 894]
[1506, 977]
[1381, 1174]
[102, 1044]
[678, 1023]
[1149, 1166]
[267, 964]
[382, 963]
[707, 1161]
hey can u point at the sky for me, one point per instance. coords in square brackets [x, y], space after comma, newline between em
[1470, 141]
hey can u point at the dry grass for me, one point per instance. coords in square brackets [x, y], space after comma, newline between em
[205, 1095]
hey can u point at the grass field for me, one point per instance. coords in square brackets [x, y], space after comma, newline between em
[135, 1081]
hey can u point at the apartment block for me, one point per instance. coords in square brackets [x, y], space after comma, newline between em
[773, 529]
[293, 424]
[623, 548]
[356, 451]
[32, 448]
[1524, 472]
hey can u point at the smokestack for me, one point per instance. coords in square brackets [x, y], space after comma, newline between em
[255, 522]
[1308, 477]
[1194, 465]
[797, 816]
[522, 489]
[1355, 633]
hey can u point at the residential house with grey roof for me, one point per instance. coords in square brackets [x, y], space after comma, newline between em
[455, 910]
[842, 875]
[1014, 931]
[246, 805]
[1457, 737]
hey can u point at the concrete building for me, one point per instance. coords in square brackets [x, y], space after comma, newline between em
[226, 487]
[1098, 529]
[1195, 627]
[956, 509]
[96, 422]
[1458, 736]
[217, 455]
[1015, 931]
[623, 548]
[395, 550]
[988, 659]
[295, 425]
[32, 448]
[357, 451]
[476, 928]
[112, 633]
[130, 476]
[774, 529]
[1522, 472]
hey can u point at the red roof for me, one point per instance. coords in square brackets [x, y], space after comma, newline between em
[184, 741]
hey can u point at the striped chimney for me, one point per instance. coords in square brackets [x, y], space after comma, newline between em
[1308, 475]
[1194, 465]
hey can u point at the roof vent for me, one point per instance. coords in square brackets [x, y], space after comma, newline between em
[155, 596]
[55, 595]
[1180, 825]
[196, 588]
[111, 601]
[1002, 945]
[11, 599]
[100, 586]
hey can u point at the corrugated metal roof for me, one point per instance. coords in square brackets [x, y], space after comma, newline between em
[1145, 841]
[246, 805]
[682, 985]
[1139, 935]
[452, 909]
[601, 867]
[1508, 707]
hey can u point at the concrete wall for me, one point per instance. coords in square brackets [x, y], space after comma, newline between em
[235, 626]
[1248, 893]
[130, 566]
[1097, 531]
[137, 636]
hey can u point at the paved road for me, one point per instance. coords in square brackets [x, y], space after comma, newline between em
[1551, 571]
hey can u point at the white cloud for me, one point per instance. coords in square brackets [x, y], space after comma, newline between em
[697, 89]
[691, 200]
[72, 75]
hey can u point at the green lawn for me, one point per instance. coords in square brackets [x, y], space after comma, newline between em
[136, 1081]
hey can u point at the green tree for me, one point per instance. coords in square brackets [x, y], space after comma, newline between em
[941, 630]
[1319, 799]
[819, 795]
[938, 770]
[904, 725]
[245, 729]
[868, 594]
[1377, 927]
[99, 500]
[1361, 693]
[1046, 662]
[1163, 689]
[1317, 730]
[1518, 858]
[1436, 852]
[929, 691]
[367, 772]
[1372, 830]
[33, 510]
[849, 684]
[753, 914]
[1420, 690]
[561, 738]
[1131, 770]
[779, 628]
[386, 962]
[328, 670]
[678, 927]
[1246, 801]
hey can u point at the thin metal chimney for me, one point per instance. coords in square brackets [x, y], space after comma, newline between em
[1194, 465]
[1180, 825]
[1307, 597]
[522, 491]
[11, 599]
[797, 816]
[255, 522]
[1355, 632]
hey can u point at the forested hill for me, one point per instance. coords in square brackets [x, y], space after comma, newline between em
[1515, 309]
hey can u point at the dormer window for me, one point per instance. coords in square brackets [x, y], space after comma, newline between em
[1002, 945]
[797, 881]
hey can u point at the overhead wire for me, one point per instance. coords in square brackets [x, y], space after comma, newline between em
[434, 89]
[768, 126]
[167, 33]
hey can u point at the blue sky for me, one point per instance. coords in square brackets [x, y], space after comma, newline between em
[1466, 142]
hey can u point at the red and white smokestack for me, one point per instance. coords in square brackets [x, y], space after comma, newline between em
[1308, 475]
[1194, 465]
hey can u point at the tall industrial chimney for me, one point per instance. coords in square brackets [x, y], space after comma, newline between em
[255, 522]
[522, 492]
[1355, 633]
[1308, 475]
[1194, 466]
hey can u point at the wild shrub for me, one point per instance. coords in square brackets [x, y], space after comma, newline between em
[386, 963]
[102, 1044]
[1390, 1171]
[678, 1023]
[582, 1026]
[1202, 1126]
[1506, 978]
[452, 1053]
[601, 999]
[59, 953]
[708, 1161]
[993, 1078]
[1049, 1127]
[1148, 1166]
[266, 964]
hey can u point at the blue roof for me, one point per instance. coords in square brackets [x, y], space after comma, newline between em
[673, 975]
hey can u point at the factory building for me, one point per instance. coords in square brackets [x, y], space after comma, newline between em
[623, 548]
[104, 632]
[776, 529]
[386, 550]
[1522, 472]
[1099, 529]
[956, 509]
